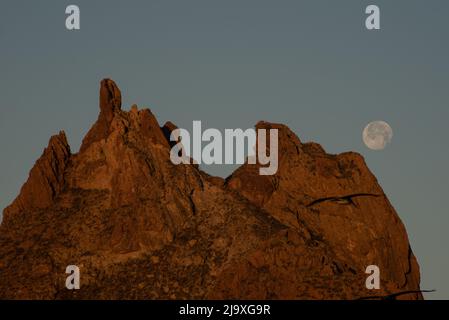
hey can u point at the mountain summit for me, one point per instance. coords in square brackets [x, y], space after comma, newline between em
[140, 227]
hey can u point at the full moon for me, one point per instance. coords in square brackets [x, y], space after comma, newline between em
[377, 135]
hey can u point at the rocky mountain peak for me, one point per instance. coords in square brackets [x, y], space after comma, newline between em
[110, 105]
[45, 180]
[140, 227]
[110, 98]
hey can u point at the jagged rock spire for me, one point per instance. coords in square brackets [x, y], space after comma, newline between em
[110, 98]
[46, 179]
[110, 103]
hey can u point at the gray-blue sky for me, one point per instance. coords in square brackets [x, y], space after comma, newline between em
[308, 64]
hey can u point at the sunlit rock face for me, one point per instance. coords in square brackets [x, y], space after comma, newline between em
[140, 227]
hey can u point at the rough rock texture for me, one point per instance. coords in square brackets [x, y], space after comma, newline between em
[140, 227]
[46, 178]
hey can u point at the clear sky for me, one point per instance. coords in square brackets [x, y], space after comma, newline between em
[309, 64]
